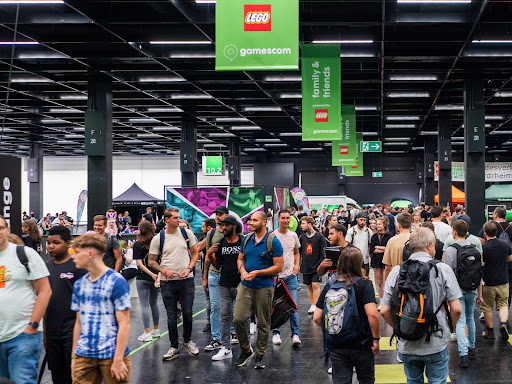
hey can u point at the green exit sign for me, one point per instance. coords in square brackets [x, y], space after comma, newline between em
[376, 174]
[213, 166]
[370, 146]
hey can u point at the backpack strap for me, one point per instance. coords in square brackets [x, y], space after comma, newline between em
[22, 256]
[162, 241]
[246, 240]
[185, 236]
[270, 238]
[209, 239]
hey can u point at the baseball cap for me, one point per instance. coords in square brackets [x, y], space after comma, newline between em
[362, 215]
[464, 217]
[230, 219]
[221, 209]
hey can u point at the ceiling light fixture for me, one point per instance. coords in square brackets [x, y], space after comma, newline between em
[18, 42]
[166, 129]
[206, 1]
[263, 109]
[254, 149]
[370, 133]
[366, 108]
[492, 41]
[31, 1]
[400, 126]
[275, 145]
[408, 94]
[180, 42]
[65, 110]
[434, 1]
[413, 78]
[397, 143]
[398, 139]
[449, 107]
[164, 109]
[73, 97]
[291, 95]
[221, 134]
[428, 133]
[284, 78]
[311, 149]
[146, 135]
[503, 94]
[143, 120]
[192, 55]
[196, 96]
[30, 80]
[501, 133]
[267, 140]
[245, 128]
[290, 134]
[342, 41]
[230, 119]
[357, 54]
[493, 117]
[156, 79]
[402, 118]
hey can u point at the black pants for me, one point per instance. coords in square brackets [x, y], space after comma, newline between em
[343, 362]
[58, 352]
[509, 286]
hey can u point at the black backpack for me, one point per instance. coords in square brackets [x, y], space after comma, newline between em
[469, 269]
[412, 304]
[406, 252]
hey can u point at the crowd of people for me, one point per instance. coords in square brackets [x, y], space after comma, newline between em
[418, 269]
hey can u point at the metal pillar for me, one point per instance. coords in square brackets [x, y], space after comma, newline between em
[234, 163]
[444, 145]
[98, 146]
[474, 151]
[188, 151]
[430, 188]
[35, 178]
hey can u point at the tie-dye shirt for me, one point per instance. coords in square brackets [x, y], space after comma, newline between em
[97, 302]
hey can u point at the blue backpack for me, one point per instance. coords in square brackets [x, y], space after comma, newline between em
[343, 320]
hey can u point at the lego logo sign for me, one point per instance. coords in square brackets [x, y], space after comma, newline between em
[343, 150]
[257, 17]
[321, 115]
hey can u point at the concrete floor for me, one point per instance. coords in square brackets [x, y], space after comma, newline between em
[286, 364]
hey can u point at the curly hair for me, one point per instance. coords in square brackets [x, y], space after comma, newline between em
[32, 231]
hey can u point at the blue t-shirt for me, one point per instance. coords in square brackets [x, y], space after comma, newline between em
[255, 261]
[97, 302]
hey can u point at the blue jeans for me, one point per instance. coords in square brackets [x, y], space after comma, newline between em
[172, 292]
[292, 283]
[19, 357]
[214, 289]
[435, 367]
[467, 302]
[148, 297]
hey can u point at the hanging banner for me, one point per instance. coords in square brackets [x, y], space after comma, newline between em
[10, 204]
[321, 92]
[357, 168]
[82, 199]
[343, 153]
[494, 171]
[300, 198]
[257, 35]
[348, 124]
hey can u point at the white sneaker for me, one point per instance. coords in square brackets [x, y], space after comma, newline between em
[223, 353]
[276, 339]
[296, 340]
[191, 348]
[378, 308]
[453, 336]
[398, 359]
[172, 353]
[311, 310]
[253, 328]
[155, 333]
[329, 371]
[145, 337]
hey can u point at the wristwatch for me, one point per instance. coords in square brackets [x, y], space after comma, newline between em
[34, 324]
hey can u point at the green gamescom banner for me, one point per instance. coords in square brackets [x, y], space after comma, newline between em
[357, 169]
[321, 92]
[257, 35]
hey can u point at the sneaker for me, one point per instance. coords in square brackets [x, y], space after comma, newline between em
[234, 338]
[504, 331]
[223, 353]
[172, 353]
[453, 336]
[213, 345]
[276, 339]
[244, 358]
[207, 328]
[464, 362]
[295, 340]
[145, 337]
[311, 310]
[180, 314]
[488, 334]
[399, 359]
[259, 363]
[481, 317]
[155, 333]
[329, 371]
[191, 348]
[253, 328]
[378, 308]
[471, 353]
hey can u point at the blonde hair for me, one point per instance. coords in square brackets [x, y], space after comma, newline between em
[97, 242]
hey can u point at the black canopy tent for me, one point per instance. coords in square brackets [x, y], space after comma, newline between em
[135, 201]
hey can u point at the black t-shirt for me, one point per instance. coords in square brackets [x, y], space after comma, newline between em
[311, 252]
[344, 221]
[439, 250]
[109, 258]
[140, 253]
[60, 319]
[495, 256]
[300, 216]
[383, 241]
[31, 243]
[148, 217]
[365, 294]
[227, 255]
[425, 215]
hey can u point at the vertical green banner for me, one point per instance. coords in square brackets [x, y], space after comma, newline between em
[357, 169]
[256, 35]
[321, 92]
[343, 153]
[348, 124]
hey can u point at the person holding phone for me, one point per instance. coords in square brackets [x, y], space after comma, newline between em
[337, 235]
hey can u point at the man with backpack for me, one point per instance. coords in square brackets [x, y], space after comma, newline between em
[393, 255]
[260, 259]
[113, 258]
[496, 286]
[416, 299]
[466, 261]
[359, 235]
[24, 295]
[176, 247]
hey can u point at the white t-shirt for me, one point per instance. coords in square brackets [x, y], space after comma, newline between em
[442, 230]
[17, 294]
[361, 240]
[289, 241]
[175, 255]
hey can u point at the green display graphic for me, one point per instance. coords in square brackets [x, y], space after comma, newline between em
[343, 153]
[348, 124]
[254, 35]
[376, 174]
[321, 92]
[357, 168]
[245, 200]
[370, 146]
[213, 166]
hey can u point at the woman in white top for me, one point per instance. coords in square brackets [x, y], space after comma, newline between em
[416, 220]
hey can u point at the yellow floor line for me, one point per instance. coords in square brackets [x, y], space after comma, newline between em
[392, 374]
